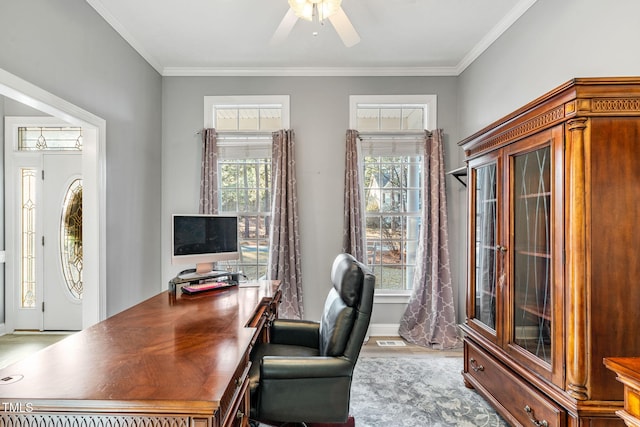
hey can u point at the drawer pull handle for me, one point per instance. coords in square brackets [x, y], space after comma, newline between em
[532, 418]
[475, 366]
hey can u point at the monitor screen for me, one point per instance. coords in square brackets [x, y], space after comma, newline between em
[204, 240]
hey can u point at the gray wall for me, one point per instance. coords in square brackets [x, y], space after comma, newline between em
[67, 49]
[553, 42]
[320, 117]
[2, 243]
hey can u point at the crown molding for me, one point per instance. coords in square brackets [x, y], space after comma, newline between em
[307, 71]
[509, 19]
[255, 71]
[126, 35]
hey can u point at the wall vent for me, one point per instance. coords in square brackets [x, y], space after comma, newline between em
[391, 343]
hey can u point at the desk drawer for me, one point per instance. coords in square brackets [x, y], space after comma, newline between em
[523, 402]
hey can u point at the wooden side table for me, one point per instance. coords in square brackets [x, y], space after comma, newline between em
[628, 371]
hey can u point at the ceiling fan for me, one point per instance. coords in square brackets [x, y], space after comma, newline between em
[317, 10]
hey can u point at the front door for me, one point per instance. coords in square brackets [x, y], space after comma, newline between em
[62, 235]
[43, 233]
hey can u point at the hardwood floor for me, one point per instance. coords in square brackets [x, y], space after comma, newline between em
[375, 347]
[14, 347]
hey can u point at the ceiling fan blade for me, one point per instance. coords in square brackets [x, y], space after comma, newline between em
[345, 29]
[285, 27]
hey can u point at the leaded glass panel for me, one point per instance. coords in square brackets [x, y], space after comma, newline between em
[28, 232]
[71, 239]
[49, 138]
[485, 245]
[532, 263]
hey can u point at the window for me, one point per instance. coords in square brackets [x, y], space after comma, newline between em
[392, 130]
[28, 232]
[38, 138]
[244, 126]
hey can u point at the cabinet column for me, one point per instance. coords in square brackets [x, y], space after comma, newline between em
[577, 337]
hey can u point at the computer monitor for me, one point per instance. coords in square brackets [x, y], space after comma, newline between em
[203, 240]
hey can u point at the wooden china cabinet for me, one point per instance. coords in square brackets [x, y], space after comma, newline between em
[553, 257]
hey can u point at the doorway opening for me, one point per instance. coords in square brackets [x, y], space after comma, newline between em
[94, 192]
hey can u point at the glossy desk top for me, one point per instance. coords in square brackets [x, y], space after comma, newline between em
[171, 352]
[628, 367]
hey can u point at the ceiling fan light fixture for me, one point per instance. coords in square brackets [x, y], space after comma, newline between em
[307, 9]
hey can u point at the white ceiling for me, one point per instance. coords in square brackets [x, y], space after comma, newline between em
[232, 37]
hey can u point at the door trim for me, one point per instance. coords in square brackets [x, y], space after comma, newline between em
[94, 175]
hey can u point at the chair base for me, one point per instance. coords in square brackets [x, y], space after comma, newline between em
[351, 422]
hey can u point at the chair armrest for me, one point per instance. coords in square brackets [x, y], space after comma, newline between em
[282, 367]
[296, 332]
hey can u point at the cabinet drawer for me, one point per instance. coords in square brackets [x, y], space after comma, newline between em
[523, 402]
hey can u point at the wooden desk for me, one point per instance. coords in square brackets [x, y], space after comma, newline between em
[170, 361]
[628, 371]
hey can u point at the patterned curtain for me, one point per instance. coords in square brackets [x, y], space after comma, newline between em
[284, 245]
[353, 234]
[209, 173]
[429, 319]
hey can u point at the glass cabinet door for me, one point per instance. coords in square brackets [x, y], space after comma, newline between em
[531, 269]
[484, 257]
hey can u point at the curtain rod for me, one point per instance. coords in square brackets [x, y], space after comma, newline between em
[242, 134]
[392, 136]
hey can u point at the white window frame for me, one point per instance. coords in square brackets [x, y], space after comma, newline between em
[429, 103]
[210, 103]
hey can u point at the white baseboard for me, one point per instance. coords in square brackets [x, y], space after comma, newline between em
[3, 329]
[383, 330]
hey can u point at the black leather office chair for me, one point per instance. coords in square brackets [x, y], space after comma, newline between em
[304, 373]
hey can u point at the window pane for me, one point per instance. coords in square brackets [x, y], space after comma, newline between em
[28, 231]
[270, 119]
[368, 119]
[248, 118]
[228, 175]
[226, 119]
[390, 119]
[412, 118]
[228, 201]
[49, 138]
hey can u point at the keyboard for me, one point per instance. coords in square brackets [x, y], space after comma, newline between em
[204, 287]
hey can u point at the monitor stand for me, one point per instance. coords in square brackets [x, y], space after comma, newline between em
[204, 268]
[191, 276]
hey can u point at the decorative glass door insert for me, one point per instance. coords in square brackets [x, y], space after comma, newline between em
[532, 257]
[71, 239]
[485, 244]
[28, 233]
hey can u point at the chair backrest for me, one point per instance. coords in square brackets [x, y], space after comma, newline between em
[347, 310]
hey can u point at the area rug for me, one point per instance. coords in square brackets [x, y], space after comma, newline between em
[416, 391]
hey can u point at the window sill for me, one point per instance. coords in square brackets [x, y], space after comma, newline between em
[396, 297]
